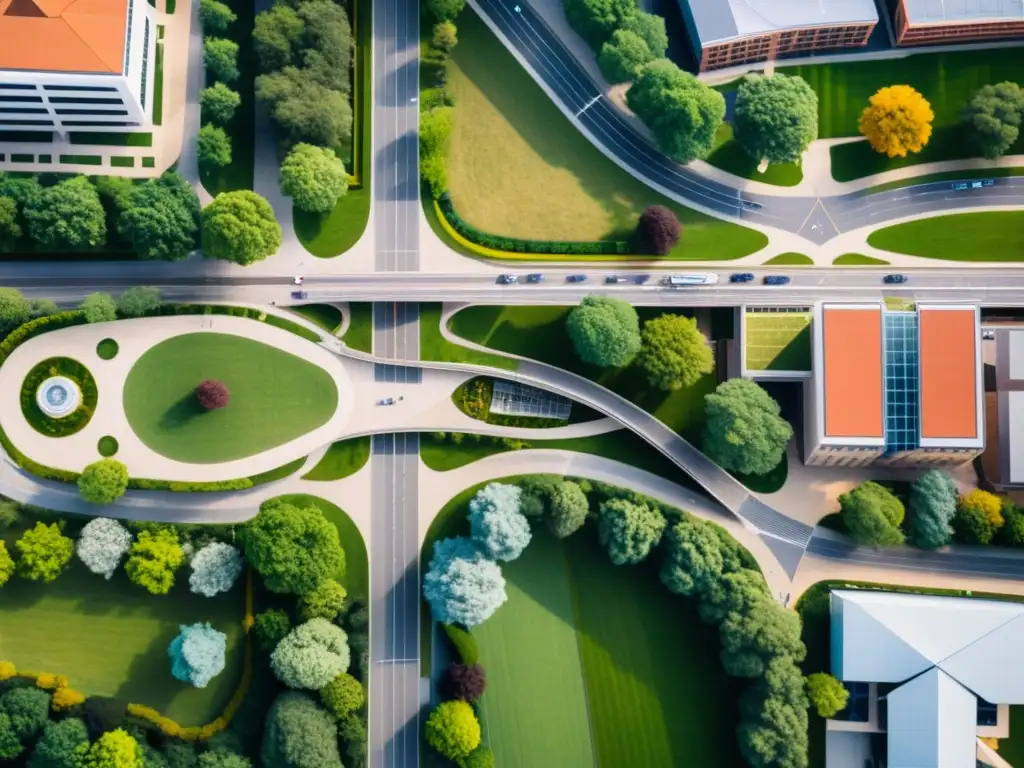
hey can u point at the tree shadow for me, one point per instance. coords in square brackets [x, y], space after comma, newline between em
[181, 413]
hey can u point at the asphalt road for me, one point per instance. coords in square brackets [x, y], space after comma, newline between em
[817, 219]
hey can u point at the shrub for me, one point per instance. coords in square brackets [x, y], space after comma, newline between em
[7, 671]
[604, 331]
[568, 509]
[220, 57]
[59, 744]
[826, 694]
[481, 757]
[453, 730]
[445, 10]
[115, 749]
[629, 531]
[872, 514]
[658, 230]
[43, 552]
[314, 177]
[987, 503]
[9, 515]
[6, 564]
[435, 135]
[103, 481]
[311, 655]
[212, 394]
[213, 147]
[299, 734]
[28, 709]
[461, 585]
[444, 37]
[1012, 532]
[215, 16]
[221, 758]
[102, 714]
[972, 526]
[101, 545]
[218, 103]
[466, 681]
[139, 301]
[153, 560]
[66, 698]
[323, 602]
[99, 307]
[197, 654]
[931, 508]
[48, 682]
[270, 628]
[497, 526]
[623, 55]
[343, 695]
[215, 569]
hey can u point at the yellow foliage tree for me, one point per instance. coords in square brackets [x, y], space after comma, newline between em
[897, 120]
[66, 698]
[988, 503]
[7, 671]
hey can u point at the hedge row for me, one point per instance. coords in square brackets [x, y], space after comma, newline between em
[515, 245]
[33, 328]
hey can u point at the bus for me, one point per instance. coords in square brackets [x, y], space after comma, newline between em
[695, 278]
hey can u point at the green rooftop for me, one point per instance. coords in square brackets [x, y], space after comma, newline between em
[778, 341]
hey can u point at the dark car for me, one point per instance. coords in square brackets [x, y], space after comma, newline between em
[508, 279]
[895, 279]
[641, 279]
[575, 278]
[752, 205]
[535, 277]
[615, 279]
[299, 295]
[776, 280]
[741, 277]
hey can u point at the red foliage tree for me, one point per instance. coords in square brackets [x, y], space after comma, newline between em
[466, 681]
[212, 394]
[658, 230]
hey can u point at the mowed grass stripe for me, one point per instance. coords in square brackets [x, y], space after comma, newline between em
[536, 702]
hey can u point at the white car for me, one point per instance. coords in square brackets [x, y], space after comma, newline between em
[298, 280]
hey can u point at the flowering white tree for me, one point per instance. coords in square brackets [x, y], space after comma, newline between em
[101, 545]
[215, 568]
[462, 585]
[497, 525]
[197, 654]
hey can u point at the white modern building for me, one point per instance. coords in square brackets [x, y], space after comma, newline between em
[76, 65]
[934, 674]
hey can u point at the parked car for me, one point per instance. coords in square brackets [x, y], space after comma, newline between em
[776, 280]
[576, 279]
[535, 277]
[299, 295]
[508, 279]
[615, 279]
[741, 277]
[895, 279]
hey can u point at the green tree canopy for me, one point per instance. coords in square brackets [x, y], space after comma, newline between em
[776, 117]
[43, 552]
[304, 110]
[15, 310]
[623, 55]
[773, 729]
[674, 353]
[461, 585]
[343, 695]
[138, 301]
[270, 627]
[59, 745]
[629, 531]
[993, 117]
[682, 112]
[299, 734]
[826, 694]
[444, 37]
[568, 509]
[604, 331]
[453, 730]
[651, 29]
[240, 226]
[276, 36]
[10, 227]
[6, 564]
[99, 307]
[931, 507]
[743, 430]
[596, 20]
[213, 147]
[162, 218]
[67, 216]
[220, 57]
[218, 102]
[325, 601]
[215, 16]
[872, 514]
[103, 481]
[153, 560]
[445, 10]
[314, 177]
[114, 749]
[698, 554]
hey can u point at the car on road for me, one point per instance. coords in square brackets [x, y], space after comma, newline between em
[575, 278]
[891, 279]
[961, 185]
[752, 205]
[299, 295]
[641, 279]
[776, 280]
[615, 279]
[298, 280]
[386, 401]
[508, 279]
[741, 277]
[535, 277]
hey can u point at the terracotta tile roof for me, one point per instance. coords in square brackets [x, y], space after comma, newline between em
[852, 341]
[948, 373]
[63, 35]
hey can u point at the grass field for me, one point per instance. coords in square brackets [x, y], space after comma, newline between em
[730, 156]
[275, 397]
[343, 458]
[359, 334]
[778, 341]
[984, 236]
[857, 260]
[517, 167]
[539, 333]
[790, 259]
[433, 346]
[324, 315]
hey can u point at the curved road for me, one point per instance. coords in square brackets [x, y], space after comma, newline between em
[817, 219]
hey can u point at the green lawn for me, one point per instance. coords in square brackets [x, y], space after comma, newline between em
[728, 155]
[778, 341]
[324, 315]
[517, 167]
[433, 346]
[275, 397]
[1012, 749]
[113, 139]
[343, 458]
[985, 236]
[539, 333]
[857, 260]
[790, 259]
[359, 334]
[110, 638]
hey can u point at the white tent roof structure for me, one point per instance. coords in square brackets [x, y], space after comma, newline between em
[932, 723]
[718, 21]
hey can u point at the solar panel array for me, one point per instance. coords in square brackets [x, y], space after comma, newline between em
[902, 393]
[512, 399]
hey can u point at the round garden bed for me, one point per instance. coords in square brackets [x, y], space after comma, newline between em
[58, 397]
[107, 349]
[107, 446]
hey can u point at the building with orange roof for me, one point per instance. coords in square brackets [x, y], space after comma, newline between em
[76, 65]
[894, 386]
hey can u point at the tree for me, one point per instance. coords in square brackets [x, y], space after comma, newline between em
[776, 117]
[102, 714]
[629, 531]
[324, 601]
[826, 694]
[444, 38]
[215, 569]
[435, 136]
[314, 177]
[299, 734]
[658, 230]
[897, 120]
[872, 514]
[15, 310]
[305, 110]
[10, 744]
[987, 503]
[651, 29]
[596, 20]
[751, 638]
[221, 758]
[44, 308]
[293, 549]
[352, 730]
[101, 545]
[162, 218]
[67, 216]
[481, 757]
[743, 431]
[59, 745]
[103, 481]
[240, 226]
[215, 16]
[496, 524]
[568, 509]
[43, 552]
[212, 394]
[276, 36]
[931, 507]
[993, 117]
[623, 55]
[773, 719]
[271, 627]
[461, 585]
[99, 307]
[218, 102]
[682, 112]
[445, 10]
[197, 654]
[1010, 535]
[213, 147]
[311, 655]
[326, 49]
[114, 749]
[27, 710]
[674, 353]
[9, 515]
[453, 730]
[604, 331]
[698, 555]
[6, 564]
[220, 57]
[153, 560]
[10, 229]
[973, 523]
[139, 301]
[466, 681]
[343, 695]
